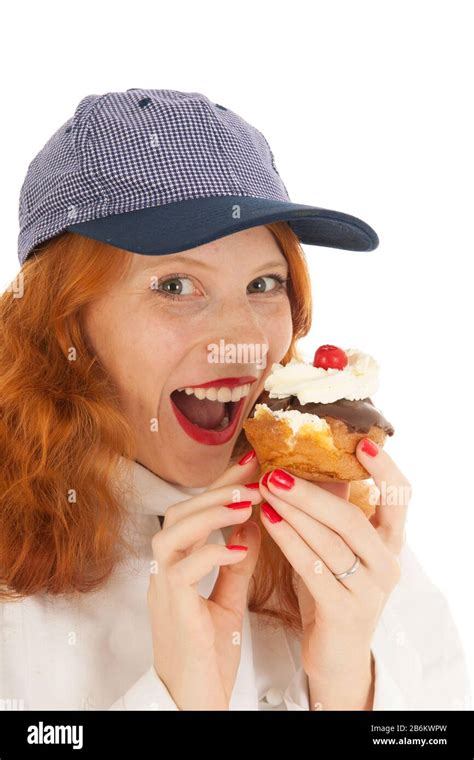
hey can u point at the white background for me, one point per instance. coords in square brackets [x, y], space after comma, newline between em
[368, 109]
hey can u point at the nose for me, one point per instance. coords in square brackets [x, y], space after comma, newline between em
[234, 322]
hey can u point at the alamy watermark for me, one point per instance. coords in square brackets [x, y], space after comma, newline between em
[238, 353]
[17, 286]
[389, 495]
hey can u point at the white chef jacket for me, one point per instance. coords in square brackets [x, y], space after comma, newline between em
[94, 651]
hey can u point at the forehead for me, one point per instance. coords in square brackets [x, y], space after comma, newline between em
[255, 246]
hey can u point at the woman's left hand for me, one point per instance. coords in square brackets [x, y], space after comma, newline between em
[321, 533]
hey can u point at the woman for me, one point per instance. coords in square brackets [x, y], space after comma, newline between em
[144, 564]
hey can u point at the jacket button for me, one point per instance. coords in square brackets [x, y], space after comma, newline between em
[274, 696]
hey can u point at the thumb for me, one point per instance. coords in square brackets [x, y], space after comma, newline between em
[231, 587]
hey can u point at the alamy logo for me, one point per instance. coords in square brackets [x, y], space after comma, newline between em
[42, 734]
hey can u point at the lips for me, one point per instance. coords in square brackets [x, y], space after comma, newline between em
[210, 420]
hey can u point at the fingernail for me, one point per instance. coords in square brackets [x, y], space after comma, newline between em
[282, 479]
[237, 547]
[369, 447]
[247, 457]
[265, 478]
[238, 504]
[270, 513]
[252, 485]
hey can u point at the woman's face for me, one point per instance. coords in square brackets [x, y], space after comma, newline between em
[215, 312]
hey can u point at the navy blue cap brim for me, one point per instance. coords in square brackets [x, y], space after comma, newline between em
[174, 227]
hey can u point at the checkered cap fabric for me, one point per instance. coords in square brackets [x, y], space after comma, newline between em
[131, 150]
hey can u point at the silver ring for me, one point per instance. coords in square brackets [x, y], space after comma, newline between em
[351, 570]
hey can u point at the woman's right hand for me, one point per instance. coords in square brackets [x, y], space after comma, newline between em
[197, 641]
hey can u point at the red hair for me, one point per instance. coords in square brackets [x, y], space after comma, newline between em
[62, 431]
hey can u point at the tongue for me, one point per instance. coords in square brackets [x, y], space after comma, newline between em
[205, 413]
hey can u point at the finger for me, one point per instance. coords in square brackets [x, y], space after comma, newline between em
[191, 569]
[325, 543]
[178, 586]
[230, 494]
[230, 486]
[395, 492]
[194, 529]
[322, 584]
[338, 514]
[231, 587]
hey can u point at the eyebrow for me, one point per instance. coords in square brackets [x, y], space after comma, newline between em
[186, 260]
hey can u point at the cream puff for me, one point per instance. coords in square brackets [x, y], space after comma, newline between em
[311, 417]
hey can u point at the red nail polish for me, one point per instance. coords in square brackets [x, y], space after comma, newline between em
[237, 547]
[238, 504]
[265, 478]
[369, 447]
[247, 457]
[252, 485]
[270, 513]
[282, 479]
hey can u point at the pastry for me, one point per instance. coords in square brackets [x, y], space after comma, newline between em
[311, 417]
[365, 495]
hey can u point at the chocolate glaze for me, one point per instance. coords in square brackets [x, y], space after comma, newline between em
[358, 416]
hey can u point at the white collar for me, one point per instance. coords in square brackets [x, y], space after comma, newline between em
[147, 493]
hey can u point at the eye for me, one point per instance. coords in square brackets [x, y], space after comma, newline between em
[271, 282]
[173, 287]
[178, 286]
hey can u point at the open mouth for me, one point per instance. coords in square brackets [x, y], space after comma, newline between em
[210, 413]
[207, 414]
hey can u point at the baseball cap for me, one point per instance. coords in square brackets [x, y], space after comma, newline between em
[160, 171]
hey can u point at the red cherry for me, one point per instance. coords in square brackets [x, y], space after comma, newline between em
[330, 357]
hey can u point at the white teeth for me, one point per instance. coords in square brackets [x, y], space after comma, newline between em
[223, 394]
[240, 392]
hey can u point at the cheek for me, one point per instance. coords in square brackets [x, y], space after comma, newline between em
[129, 345]
[279, 330]
[144, 351]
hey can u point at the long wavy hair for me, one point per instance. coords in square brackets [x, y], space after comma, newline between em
[62, 431]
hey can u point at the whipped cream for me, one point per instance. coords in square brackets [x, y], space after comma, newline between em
[358, 380]
[296, 420]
